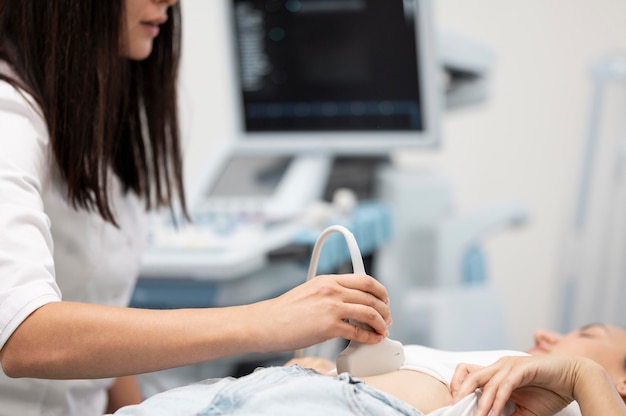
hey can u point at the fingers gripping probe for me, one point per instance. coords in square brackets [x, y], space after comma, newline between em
[358, 359]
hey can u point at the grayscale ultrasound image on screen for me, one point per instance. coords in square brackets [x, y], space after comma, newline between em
[328, 65]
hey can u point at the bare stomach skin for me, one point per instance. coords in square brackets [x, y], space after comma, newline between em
[420, 390]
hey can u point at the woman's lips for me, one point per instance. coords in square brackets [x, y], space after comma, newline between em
[151, 28]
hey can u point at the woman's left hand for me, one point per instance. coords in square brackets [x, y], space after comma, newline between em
[537, 385]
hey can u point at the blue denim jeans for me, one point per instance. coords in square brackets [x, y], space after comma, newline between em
[275, 391]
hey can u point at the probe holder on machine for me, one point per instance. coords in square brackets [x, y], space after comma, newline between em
[358, 359]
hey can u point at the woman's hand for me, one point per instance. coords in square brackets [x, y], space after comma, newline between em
[538, 385]
[318, 310]
[124, 391]
[319, 364]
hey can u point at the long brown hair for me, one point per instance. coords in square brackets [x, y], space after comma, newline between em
[103, 112]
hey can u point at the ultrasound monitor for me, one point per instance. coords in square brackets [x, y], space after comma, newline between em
[347, 77]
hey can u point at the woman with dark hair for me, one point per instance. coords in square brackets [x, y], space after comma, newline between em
[88, 142]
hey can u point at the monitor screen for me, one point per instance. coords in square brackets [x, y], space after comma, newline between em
[343, 76]
[250, 176]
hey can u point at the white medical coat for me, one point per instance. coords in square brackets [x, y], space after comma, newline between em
[48, 248]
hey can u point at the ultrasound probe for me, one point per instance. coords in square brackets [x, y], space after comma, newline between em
[358, 359]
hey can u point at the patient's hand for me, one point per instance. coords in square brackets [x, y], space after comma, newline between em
[319, 364]
[539, 385]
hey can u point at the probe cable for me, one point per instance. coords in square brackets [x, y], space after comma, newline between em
[353, 248]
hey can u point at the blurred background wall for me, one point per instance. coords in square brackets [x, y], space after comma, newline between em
[528, 139]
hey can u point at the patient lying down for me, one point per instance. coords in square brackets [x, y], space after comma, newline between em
[543, 381]
[425, 380]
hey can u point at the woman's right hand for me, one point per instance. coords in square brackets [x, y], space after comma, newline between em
[318, 310]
